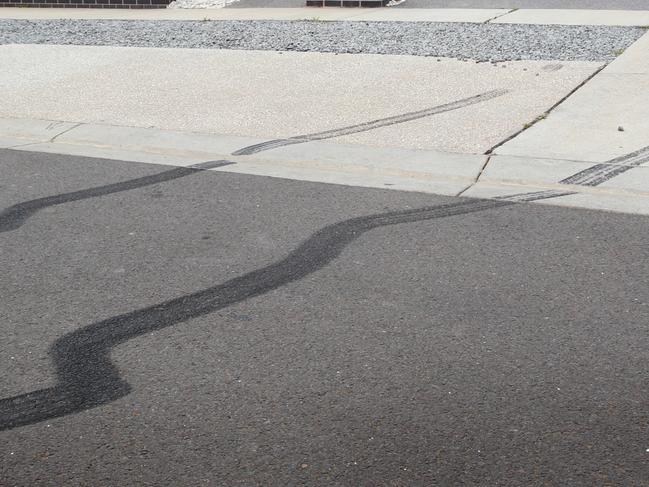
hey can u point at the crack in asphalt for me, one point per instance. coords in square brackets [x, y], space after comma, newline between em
[86, 376]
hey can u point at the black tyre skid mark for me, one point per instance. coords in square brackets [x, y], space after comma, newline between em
[374, 124]
[14, 217]
[86, 376]
[85, 373]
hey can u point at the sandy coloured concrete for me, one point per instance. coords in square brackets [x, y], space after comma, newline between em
[277, 95]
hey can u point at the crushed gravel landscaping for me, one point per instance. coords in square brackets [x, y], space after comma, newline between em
[479, 42]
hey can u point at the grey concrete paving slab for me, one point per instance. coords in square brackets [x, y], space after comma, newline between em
[529, 171]
[604, 119]
[614, 201]
[575, 17]
[444, 164]
[111, 152]
[486, 348]
[634, 61]
[276, 95]
[397, 177]
[479, 15]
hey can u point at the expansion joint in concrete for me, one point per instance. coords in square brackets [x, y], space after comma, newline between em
[545, 114]
[477, 178]
[488, 21]
[65, 131]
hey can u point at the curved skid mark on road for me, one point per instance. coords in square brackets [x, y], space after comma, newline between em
[374, 124]
[13, 217]
[86, 377]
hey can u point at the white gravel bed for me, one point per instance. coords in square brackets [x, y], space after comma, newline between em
[480, 42]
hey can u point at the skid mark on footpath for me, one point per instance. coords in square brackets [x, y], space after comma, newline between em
[364, 127]
[14, 217]
[86, 376]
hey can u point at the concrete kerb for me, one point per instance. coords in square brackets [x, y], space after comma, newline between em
[394, 168]
[545, 173]
[15, 132]
[354, 165]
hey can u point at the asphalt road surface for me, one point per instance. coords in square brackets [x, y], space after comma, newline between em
[222, 329]
[563, 4]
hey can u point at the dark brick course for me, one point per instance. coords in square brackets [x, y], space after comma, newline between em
[164, 3]
[86, 3]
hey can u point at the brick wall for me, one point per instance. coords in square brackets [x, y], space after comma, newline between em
[86, 3]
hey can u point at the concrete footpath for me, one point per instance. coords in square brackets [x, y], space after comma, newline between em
[439, 142]
[474, 15]
[487, 130]
[433, 142]
[601, 122]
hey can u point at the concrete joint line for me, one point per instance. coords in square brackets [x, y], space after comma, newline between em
[488, 21]
[477, 178]
[545, 114]
[65, 131]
